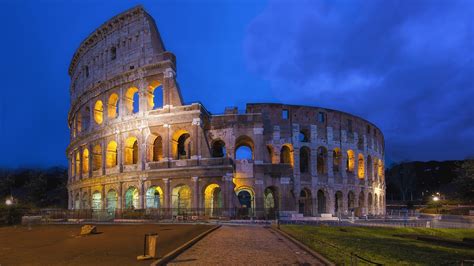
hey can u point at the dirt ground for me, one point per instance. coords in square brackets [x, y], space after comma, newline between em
[114, 245]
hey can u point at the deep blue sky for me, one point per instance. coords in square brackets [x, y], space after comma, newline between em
[406, 65]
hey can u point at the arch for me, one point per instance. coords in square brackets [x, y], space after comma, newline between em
[270, 202]
[111, 200]
[181, 145]
[96, 200]
[350, 162]
[155, 95]
[154, 197]
[181, 199]
[157, 149]
[370, 173]
[376, 203]
[286, 155]
[132, 100]
[270, 152]
[375, 169]
[113, 106]
[244, 148]
[78, 123]
[85, 201]
[213, 203]
[336, 160]
[77, 167]
[305, 205]
[361, 209]
[132, 200]
[77, 201]
[131, 151]
[86, 118]
[303, 136]
[338, 205]
[370, 203]
[246, 197]
[322, 161]
[305, 155]
[85, 161]
[111, 154]
[96, 157]
[381, 171]
[99, 112]
[360, 165]
[381, 204]
[321, 201]
[350, 200]
[218, 149]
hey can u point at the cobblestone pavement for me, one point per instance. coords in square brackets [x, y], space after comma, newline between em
[244, 245]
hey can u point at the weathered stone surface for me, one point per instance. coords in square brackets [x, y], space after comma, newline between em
[88, 230]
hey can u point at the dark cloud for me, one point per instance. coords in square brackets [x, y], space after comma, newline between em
[405, 65]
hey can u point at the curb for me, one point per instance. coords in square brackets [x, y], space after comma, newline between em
[303, 247]
[173, 254]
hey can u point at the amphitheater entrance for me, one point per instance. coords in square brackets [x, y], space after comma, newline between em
[131, 198]
[112, 201]
[181, 200]
[213, 200]
[304, 203]
[270, 202]
[321, 202]
[338, 206]
[246, 201]
[154, 197]
[96, 200]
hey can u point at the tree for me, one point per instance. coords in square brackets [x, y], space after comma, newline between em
[465, 180]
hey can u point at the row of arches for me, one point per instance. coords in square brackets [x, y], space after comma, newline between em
[112, 107]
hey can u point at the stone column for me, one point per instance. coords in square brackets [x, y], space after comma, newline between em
[195, 203]
[120, 151]
[142, 150]
[260, 147]
[103, 146]
[329, 164]
[91, 155]
[227, 191]
[196, 149]
[80, 151]
[120, 196]
[103, 198]
[141, 191]
[167, 192]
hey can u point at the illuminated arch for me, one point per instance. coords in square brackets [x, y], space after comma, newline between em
[77, 167]
[111, 154]
[181, 144]
[336, 160]
[155, 151]
[96, 200]
[96, 157]
[154, 197]
[85, 161]
[213, 202]
[360, 166]
[113, 106]
[111, 200]
[181, 199]
[155, 95]
[350, 162]
[78, 123]
[132, 199]
[131, 151]
[246, 197]
[286, 154]
[132, 99]
[99, 112]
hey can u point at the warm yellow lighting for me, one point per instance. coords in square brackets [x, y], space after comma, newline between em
[435, 198]
[151, 93]
[8, 202]
[350, 161]
[111, 154]
[85, 161]
[287, 154]
[360, 165]
[113, 106]
[99, 112]
[78, 163]
[131, 150]
[129, 98]
[96, 157]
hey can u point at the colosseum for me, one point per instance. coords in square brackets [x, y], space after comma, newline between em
[137, 146]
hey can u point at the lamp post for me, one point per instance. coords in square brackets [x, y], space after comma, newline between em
[436, 198]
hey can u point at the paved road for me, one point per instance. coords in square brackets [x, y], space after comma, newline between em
[244, 245]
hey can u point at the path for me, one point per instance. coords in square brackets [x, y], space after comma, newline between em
[255, 245]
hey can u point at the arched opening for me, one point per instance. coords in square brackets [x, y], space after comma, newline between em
[322, 161]
[96, 200]
[336, 160]
[112, 199]
[111, 154]
[86, 118]
[360, 165]
[77, 201]
[78, 123]
[113, 106]
[338, 206]
[244, 148]
[305, 205]
[370, 203]
[376, 204]
[85, 201]
[157, 149]
[246, 200]
[286, 155]
[131, 151]
[361, 209]
[213, 203]
[270, 202]
[181, 199]
[381, 205]
[380, 171]
[269, 157]
[155, 95]
[77, 167]
[132, 100]
[154, 197]
[304, 159]
[350, 201]
[303, 136]
[321, 202]
[85, 161]
[369, 168]
[132, 200]
[184, 146]
[375, 169]
[96, 157]
[350, 162]
[218, 149]
[99, 112]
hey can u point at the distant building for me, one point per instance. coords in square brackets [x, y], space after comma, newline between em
[136, 145]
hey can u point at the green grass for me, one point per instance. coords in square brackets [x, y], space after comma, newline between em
[379, 245]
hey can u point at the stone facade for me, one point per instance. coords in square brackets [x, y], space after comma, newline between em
[136, 145]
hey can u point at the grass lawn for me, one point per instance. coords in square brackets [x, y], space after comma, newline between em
[380, 245]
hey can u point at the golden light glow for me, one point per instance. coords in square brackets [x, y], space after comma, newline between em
[287, 154]
[78, 163]
[85, 161]
[113, 106]
[381, 171]
[361, 166]
[96, 157]
[129, 98]
[131, 150]
[99, 112]
[175, 143]
[211, 199]
[151, 93]
[350, 161]
[111, 154]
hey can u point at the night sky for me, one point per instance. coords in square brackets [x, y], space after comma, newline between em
[405, 65]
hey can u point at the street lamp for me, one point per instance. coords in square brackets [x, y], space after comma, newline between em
[435, 198]
[9, 202]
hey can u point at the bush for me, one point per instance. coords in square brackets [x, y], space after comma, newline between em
[10, 215]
